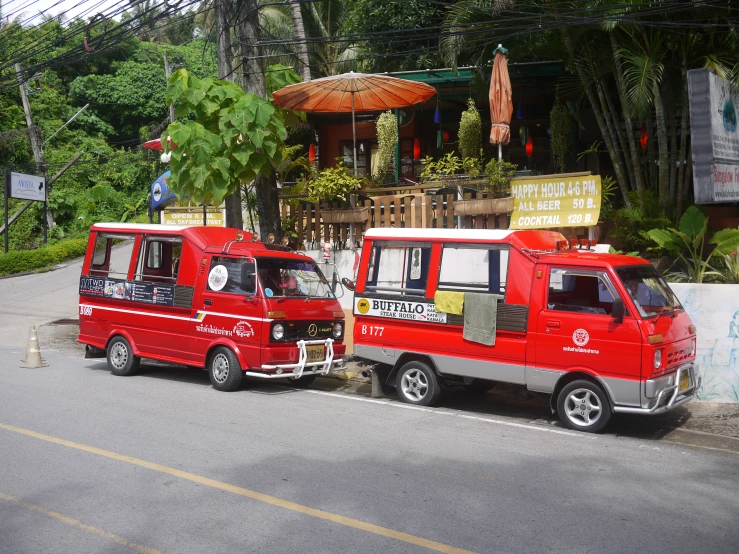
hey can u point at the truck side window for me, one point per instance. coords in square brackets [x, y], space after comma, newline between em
[158, 260]
[112, 256]
[572, 290]
[101, 251]
[470, 268]
[398, 269]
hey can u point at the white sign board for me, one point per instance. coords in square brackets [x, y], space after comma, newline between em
[27, 187]
[398, 309]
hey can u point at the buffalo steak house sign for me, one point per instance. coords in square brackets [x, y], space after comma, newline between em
[555, 201]
[398, 309]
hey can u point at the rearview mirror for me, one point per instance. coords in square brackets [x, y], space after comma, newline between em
[248, 280]
[618, 310]
[348, 283]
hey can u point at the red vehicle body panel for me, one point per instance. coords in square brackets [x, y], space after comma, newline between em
[196, 320]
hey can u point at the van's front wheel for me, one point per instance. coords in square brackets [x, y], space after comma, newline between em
[224, 370]
[583, 406]
[417, 384]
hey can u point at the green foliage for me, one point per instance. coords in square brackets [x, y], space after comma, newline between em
[472, 167]
[687, 243]
[29, 260]
[387, 138]
[608, 188]
[499, 174]
[470, 131]
[631, 223]
[561, 137]
[446, 167]
[331, 183]
[234, 137]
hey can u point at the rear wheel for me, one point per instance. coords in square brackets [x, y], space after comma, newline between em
[303, 381]
[120, 357]
[583, 406]
[417, 384]
[224, 370]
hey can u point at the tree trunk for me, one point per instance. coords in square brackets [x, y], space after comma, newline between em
[268, 204]
[673, 157]
[225, 72]
[683, 199]
[636, 166]
[620, 135]
[681, 175]
[650, 152]
[664, 153]
[297, 16]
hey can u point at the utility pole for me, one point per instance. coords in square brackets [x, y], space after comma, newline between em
[268, 204]
[35, 146]
[225, 72]
[168, 73]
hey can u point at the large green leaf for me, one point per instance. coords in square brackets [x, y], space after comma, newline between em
[222, 165]
[179, 133]
[728, 245]
[194, 96]
[692, 222]
[176, 85]
[723, 235]
[665, 239]
[242, 152]
[260, 111]
[257, 136]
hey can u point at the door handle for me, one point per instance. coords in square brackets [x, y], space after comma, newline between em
[553, 323]
[208, 302]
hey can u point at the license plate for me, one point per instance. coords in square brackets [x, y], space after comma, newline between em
[316, 353]
[684, 381]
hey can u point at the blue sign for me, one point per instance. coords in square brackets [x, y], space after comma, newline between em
[161, 196]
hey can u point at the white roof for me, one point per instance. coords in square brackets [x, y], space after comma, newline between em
[140, 226]
[430, 234]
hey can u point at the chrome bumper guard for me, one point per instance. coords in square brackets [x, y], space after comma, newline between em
[297, 370]
[676, 398]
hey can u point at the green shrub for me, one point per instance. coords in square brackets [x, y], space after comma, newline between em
[28, 260]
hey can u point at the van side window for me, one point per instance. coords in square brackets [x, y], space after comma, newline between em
[470, 268]
[572, 290]
[112, 256]
[398, 269]
[159, 260]
[224, 275]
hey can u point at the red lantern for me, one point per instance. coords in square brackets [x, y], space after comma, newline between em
[416, 149]
[312, 153]
[445, 136]
[530, 147]
[643, 138]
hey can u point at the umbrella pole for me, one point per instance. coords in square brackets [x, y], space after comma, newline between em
[500, 152]
[352, 199]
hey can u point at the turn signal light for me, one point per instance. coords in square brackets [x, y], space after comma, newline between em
[277, 314]
[239, 235]
[691, 329]
[655, 339]
[593, 242]
[574, 243]
[339, 315]
[562, 244]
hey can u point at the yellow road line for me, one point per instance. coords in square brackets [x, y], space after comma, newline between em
[79, 525]
[267, 499]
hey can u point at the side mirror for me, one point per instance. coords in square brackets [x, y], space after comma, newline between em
[248, 278]
[334, 281]
[348, 283]
[618, 310]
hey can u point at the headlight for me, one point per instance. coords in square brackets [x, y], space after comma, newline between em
[657, 359]
[278, 331]
[338, 330]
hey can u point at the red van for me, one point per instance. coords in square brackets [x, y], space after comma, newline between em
[601, 333]
[208, 297]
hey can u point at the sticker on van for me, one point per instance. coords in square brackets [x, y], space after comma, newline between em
[399, 309]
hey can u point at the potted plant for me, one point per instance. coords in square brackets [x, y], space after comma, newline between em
[498, 176]
[332, 183]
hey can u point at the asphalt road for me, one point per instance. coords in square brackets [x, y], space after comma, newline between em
[162, 462]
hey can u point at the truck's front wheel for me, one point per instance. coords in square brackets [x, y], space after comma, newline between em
[224, 370]
[417, 384]
[583, 406]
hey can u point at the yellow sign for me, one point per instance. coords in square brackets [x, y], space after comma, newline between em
[555, 201]
[363, 306]
[193, 216]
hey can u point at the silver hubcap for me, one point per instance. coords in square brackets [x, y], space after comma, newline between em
[414, 384]
[583, 407]
[220, 368]
[119, 355]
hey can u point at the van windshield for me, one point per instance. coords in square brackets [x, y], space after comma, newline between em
[649, 291]
[281, 278]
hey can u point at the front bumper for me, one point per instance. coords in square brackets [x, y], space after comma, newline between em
[303, 366]
[669, 397]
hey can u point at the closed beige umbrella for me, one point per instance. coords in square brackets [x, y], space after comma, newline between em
[501, 104]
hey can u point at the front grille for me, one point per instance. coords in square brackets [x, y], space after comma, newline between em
[301, 330]
[677, 354]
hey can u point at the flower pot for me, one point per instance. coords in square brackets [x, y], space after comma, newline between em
[350, 215]
[481, 206]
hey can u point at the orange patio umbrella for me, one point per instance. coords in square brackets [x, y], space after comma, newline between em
[501, 105]
[353, 92]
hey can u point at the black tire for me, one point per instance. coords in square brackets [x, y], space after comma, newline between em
[121, 359]
[303, 381]
[417, 384]
[577, 403]
[478, 386]
[224, 370]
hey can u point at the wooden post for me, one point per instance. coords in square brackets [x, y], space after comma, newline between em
[168, 73]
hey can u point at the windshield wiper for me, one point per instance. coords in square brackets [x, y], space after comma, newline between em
[289, 295]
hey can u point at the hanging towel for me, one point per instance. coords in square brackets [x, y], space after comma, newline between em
[480, 313]
[449, 302]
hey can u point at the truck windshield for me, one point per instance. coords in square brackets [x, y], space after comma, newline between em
[282, 278]
[648, 290]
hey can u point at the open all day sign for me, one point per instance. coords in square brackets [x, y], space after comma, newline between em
[555, 201]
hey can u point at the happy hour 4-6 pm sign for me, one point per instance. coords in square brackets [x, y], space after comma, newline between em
[555, 201]
[27, 187]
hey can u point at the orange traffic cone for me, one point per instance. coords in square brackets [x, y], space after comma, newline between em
[33, 352]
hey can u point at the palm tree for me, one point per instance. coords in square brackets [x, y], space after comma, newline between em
[297, 16]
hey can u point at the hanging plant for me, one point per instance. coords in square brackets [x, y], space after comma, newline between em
[387, 137]
[561, 138]
[332, 183]
[470, 131]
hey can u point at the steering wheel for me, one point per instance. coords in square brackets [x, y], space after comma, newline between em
[348, 283]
